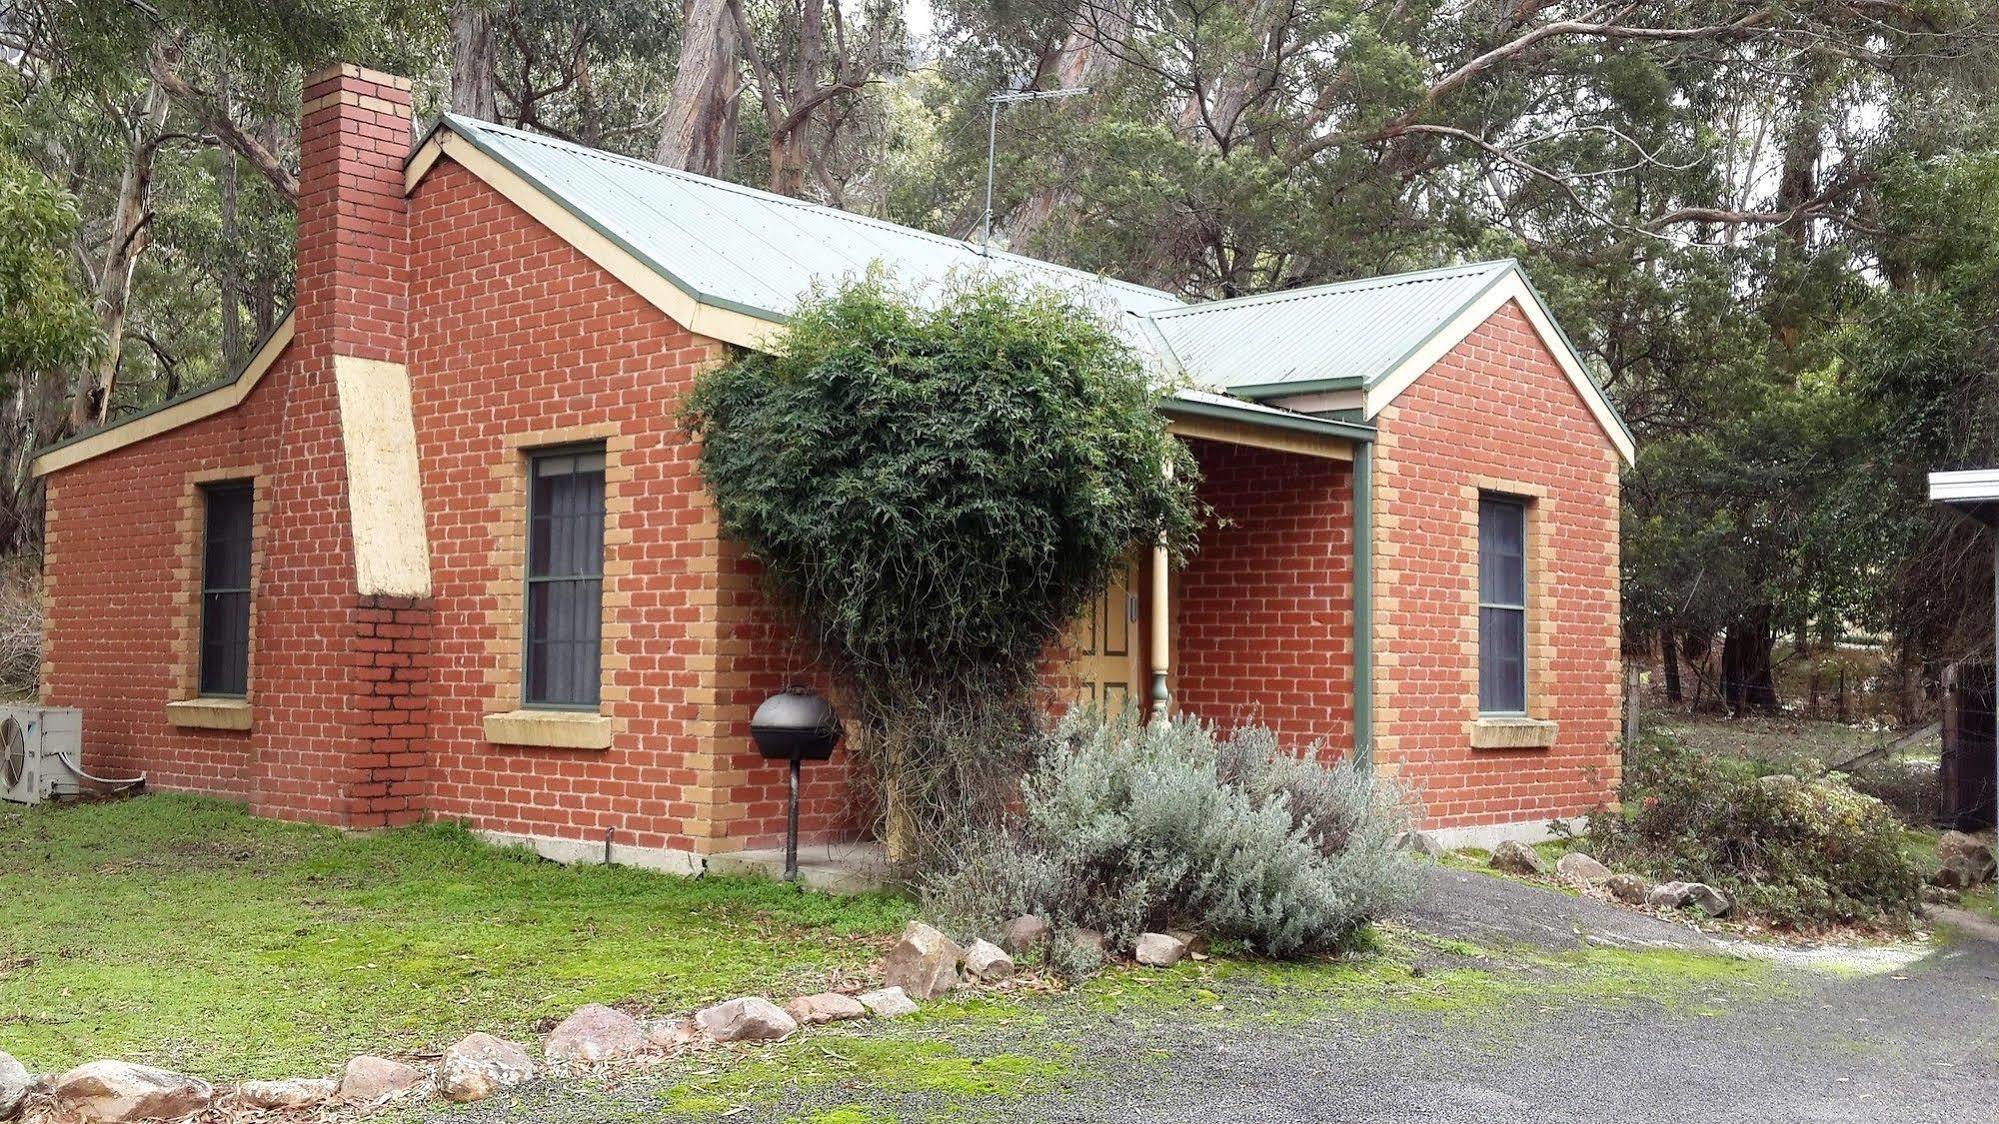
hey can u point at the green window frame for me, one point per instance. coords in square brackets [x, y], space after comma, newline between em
[562, 638]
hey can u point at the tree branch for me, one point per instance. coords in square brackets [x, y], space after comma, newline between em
[204, 106]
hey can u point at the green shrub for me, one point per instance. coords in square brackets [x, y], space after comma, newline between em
[1125, 828]
[1799, 853]
[935, 487]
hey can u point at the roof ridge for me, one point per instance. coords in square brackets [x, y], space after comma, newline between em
[697, 179]
[1356, 285]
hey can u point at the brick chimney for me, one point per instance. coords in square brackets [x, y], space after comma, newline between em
[353, 233]
[345, 579]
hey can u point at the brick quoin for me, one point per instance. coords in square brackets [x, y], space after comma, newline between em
[1497, 408]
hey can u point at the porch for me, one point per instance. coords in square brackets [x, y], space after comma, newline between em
[1268, 620]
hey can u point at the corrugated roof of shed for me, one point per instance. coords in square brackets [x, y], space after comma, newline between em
[752, 250]
[1350, 333]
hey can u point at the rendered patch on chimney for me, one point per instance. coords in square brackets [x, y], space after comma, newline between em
[384, 495]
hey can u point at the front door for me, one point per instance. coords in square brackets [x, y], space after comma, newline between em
[1104, 643]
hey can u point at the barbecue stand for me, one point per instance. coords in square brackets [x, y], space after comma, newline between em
[795, 725]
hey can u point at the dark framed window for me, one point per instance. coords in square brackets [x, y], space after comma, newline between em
[565, 578]
[225, 589]
[1502, 605]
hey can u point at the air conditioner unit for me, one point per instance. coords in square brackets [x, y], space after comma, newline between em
[41, 753]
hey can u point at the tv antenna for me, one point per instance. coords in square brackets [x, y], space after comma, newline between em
[993, 104]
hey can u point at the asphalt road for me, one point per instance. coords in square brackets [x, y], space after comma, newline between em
[1913, 1045]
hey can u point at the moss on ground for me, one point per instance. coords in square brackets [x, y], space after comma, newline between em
[1414, 972]
[186, 933]
[969, 1057]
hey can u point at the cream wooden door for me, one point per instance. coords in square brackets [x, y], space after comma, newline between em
[1104, 644]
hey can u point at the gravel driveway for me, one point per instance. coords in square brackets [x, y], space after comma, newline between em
[1523, 1027]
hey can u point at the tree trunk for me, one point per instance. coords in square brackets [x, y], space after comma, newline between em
[787, 163]
[1088, 57]
[699, 133]
[229, 280]
[1669, 658]
[475, 90]
[1746, 666]
[126, 240]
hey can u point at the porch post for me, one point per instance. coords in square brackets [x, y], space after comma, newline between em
[1159, 642]
[1363, 602]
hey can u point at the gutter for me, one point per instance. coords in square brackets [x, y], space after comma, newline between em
[1297, 423]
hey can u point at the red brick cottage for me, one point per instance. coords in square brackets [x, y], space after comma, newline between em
[440, 549]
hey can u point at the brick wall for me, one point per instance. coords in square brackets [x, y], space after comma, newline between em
[1265, 609]
[526, 342]
[1496, 413]
[120, 582]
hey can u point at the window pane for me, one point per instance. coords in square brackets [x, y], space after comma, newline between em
[1502, 553]
[1502, 660]
[225, 590]
[225, 643]
[226, 549]
[565, 586]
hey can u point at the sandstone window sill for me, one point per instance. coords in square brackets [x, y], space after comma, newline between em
[210, 714]
[549, 729]
[1497, 732]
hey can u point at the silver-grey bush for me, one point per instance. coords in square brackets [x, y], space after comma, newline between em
[1125, 828]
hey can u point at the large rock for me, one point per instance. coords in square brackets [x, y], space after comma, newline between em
[1952, 844]
[985, 960]
[1674, 895]
[1582, 869]
[924, 963]
[1159, 950]
[825, 1007]
[479, 1065]
[749, 1019]
[595, 1033]
[369, 1079]
[1515, 857]
[1420, 843]
[1024, 934]
[15, 1085]
[298, 1092]
[1966, 861]
[1627, 888]
[1709, 900]
[888, 1003]
[1670, 895]
[121, 1091]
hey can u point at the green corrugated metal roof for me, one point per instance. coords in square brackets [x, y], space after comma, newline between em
[750, 250]
[1326, 337]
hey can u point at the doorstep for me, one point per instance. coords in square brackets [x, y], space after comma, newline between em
[837, 868]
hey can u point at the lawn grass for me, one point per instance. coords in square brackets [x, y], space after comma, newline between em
[184, 932]
[1781, 743]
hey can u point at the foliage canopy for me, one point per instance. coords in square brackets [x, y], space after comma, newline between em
[937, 488]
